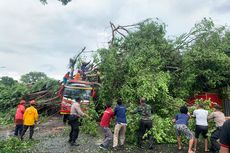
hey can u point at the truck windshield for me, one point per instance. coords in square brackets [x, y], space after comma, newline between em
[75, 93]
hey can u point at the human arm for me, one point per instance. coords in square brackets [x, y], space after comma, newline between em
[115, 110]
[224, 150]
[25, 114]
[194, 114]
[79, 111]
[211, 116]
[136, 110]
[36, 115]
[175, 118]
[22, 110]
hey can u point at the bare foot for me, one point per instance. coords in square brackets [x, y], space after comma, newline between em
[190, 151]
[194, 149]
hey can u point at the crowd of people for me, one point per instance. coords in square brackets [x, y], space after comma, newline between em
[220, 138]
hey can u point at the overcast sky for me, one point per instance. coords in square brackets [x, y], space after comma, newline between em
[36, 37]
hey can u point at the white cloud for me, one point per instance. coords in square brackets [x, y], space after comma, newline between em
[36, 37]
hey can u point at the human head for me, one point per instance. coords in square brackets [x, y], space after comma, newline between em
[32, 102]
[77, 99]
[108, 104]
[183, 110]
[22, 102]
[217, 107]
[119, 102]
[142, 101]
[200, 105]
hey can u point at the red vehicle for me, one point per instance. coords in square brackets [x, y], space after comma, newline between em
[213, 97]
[74, 89]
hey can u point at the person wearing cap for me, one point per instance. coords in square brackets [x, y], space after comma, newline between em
[145, 123]
[75, 114]
[30, 117]
[19, 118]
[219, 119]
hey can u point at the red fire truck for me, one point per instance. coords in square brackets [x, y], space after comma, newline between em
[76, 89]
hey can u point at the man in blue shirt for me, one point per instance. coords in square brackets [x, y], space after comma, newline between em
[120, 127]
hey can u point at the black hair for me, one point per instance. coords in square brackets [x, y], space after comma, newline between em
[142, 100]
[217, 107]
[119, 102]
[183, 109]
[108, 104]
[200, 105]
[77, 99]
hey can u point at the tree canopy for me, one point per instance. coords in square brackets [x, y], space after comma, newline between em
[7, 81]
[146, 63]
[33, 77]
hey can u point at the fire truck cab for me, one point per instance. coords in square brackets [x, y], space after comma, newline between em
[74, 89]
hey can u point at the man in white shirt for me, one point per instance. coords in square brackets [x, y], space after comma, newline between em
[201, 116]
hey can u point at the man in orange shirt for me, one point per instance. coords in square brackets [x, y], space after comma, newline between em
[30, 117]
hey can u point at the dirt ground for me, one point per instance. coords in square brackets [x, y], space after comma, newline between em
[52, 137]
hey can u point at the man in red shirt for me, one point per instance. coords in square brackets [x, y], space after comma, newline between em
[19, 118]
[105, 121]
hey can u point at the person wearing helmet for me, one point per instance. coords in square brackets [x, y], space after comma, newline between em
[19, 118]
[30, 117]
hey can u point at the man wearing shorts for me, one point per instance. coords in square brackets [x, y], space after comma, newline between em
[201, 116]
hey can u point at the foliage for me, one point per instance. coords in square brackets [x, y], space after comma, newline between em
[7, 116]
[10, 96]
[89, 124]
[33, 77]
[205, 64]
[133, 124]
[144, 63]
[45, 84]
[132, 67]
[14, 145]
[7, 81]
[163, 130]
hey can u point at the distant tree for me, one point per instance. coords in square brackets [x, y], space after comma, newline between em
[33, 77]
[64, 2]
[206, 62]
[7, 81]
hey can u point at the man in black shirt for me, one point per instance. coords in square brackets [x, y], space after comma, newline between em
[225, 137]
